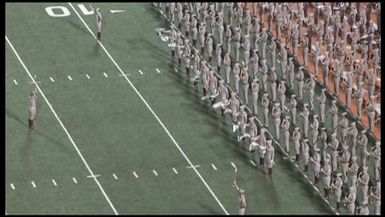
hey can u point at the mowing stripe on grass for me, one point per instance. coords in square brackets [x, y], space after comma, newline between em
[62, 125]
[153, 113]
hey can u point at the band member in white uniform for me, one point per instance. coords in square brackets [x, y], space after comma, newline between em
[32, 109]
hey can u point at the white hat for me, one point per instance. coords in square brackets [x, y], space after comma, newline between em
[323, 89]
[315, 116]
[323, 128]
[365, 169]
[345, 147]
[221, 81]
[363, 131]
[316, 149]
[242, 106]
[232, 93]
[305, 140]
[218, 45]
[334, 101]
[339, 174]
[242, 191]
[353, 123]
[297, 128]
[293, 95]
[378, 144]
[354, 158]
[334, 134]
[255, 51]
[287, 117]
[283, 81]
[344, 113]
[276, 104]
[305, 104]
[265, 94]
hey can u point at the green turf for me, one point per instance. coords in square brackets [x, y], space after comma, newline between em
[115, 131]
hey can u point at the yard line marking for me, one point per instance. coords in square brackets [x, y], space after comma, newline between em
[115, 177]
[136, 176]
[69, 77]
[120, 75]
[12, 186]
[157, 70]
[233, 164]
[33, 184]
[252, 162]
[140, 72]
[14, 81]
[54, 182]
[105, 75]
[153, 113]
[62, 125]
[214, 167]
[176, 172]
[88, 77]
[51, 79]
[155, 172]
[196, 166]
[73, 178]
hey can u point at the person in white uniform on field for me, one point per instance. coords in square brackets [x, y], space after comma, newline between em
[32, 109]
[241, 199]
[337, 188]
[98, 16]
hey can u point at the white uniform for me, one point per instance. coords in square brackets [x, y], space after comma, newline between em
[337, 186]
[98, 16]
[32, 107]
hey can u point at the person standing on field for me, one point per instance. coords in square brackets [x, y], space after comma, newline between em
[98, 16]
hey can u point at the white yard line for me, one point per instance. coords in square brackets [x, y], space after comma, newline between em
[105, 75]
[64, 128]
[88, 77]
[153, 113]
[114, 175]
[54, 182]
[175, 171]
[120, 75]
[75, 181]
[51, 79]
[214, 167]
[154, 171]
[136, 176]
[33, 184]
[12, 186]
[140, 72]
[196, 166]
[157, 70]
[69, 77]
[14, 81]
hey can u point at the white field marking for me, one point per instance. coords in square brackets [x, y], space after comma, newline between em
[176, 172]
[54, 182]
[14, 81]
[12, 186]
[114, 175]
[105, 75]
[196, 166]
[157, 70]
[140, 72]
[64, 128]
[69, 77]
[214, 167]
[75, 181]
[33, 184]
[51, 79]
[136, 176]
[117, 11]
[252, 162]
[88, 77]
[120, 75]
[154, 171]
[93, 176]
[153, 113]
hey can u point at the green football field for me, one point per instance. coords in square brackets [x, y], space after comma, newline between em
[105, 143]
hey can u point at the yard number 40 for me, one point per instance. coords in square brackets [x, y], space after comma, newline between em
[62, 11]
